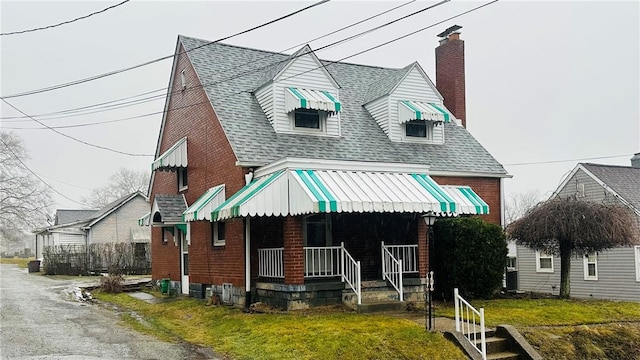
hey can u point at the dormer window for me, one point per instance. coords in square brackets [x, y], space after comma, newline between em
[309, 109]
[419, 129]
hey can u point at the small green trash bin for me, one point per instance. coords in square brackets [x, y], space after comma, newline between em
[164, 286]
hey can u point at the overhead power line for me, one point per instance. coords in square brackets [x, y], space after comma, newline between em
[64, 22]
[288, 59]
[71, 137]
[116, 103]
[110, 73]
[567, 160]
[36, 175]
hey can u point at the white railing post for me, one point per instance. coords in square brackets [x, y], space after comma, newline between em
[482, 335]
[358, 282]
[457, 308]
[400, 288]
[342, 260]
[384, 267]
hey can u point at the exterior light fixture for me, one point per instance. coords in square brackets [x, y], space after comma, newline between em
[429, 220]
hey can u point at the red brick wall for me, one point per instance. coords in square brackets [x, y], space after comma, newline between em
[293, 253]
[450, 77]
[487, 188]
[211, 162]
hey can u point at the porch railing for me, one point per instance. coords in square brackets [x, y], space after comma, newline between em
[326, 261]
[271, 263]
[351, 273]
[322, 261]
[407, 253]
[392, 270]
[470, 322]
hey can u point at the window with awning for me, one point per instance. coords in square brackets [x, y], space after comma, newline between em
[202, 207]
[175, 157]
[305, 191]
[416, 111]
[295, 98]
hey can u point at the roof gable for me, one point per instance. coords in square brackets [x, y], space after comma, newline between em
[622, 182]
[73, 216]
[305, 53]
[113, 206]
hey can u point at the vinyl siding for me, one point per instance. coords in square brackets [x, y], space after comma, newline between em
[529, 279]
[592, 190]
[265, 97]
[69, 239]
[303, 72]
[413, 87]
[616, 275]
[379, 111]
[116, 227]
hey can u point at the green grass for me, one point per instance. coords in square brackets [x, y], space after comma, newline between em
[552, 312]
[21, 262]
[293, 335]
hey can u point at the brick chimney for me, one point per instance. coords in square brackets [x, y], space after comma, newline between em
[635, 160]
[450, 72]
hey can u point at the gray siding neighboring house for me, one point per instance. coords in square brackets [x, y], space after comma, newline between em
[116, 222]
[611, 274]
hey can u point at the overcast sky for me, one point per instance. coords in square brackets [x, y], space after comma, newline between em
[546, 81]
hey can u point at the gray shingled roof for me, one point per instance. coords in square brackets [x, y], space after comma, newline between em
[171, 207]
[72, 216]
[624, 180]
[254, 141]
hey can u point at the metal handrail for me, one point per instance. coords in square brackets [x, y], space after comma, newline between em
[392, 270]
[407, 253]
[351, 273]
[466, 316]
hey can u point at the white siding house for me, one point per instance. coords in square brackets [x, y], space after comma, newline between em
[611, 274]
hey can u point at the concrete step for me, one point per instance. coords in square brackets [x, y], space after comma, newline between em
[495, 344]
[503, 356]
[380, 306]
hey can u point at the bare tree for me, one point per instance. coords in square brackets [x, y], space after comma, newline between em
[518, 204]
[567, 227]
[24, 200]
[123, 182]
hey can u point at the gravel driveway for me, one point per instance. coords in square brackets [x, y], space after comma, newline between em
[40, 319]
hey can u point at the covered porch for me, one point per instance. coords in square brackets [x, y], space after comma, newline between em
[315, 232]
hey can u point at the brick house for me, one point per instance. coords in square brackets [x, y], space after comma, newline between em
[298, 182]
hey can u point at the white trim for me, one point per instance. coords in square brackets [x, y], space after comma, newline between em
[417, 66]
[469, 174]
[586, 263]
[133, 195]
[183, 80]
[429, 128]
[216, 240]
[299, 54]
[322, 122]
[540, 269]
[339, 165]
[637, 257]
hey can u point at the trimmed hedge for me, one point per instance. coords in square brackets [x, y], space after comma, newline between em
[469, 253]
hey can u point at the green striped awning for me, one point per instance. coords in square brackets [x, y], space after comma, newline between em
[144, 220]
[416, 110]
[305, 191]
[174, 157]
[202, 207]
[295, 98]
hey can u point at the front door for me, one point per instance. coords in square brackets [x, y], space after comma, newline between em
[184, 261]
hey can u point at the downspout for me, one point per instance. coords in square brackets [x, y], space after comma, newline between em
[502, 203]
[247, 263]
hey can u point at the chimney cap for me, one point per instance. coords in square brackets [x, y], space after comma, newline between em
[450, 30]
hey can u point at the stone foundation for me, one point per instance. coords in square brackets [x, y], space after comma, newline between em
[296, 297]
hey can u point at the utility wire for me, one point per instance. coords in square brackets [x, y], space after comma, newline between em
[110, 73]
[160, 96]
[64, 22]
[288, 59]
[36, 175]
[71, 137]
[568, 160]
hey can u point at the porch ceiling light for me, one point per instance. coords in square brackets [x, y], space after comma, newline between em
[429, 218]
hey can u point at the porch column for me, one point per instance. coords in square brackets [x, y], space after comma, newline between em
[423, 249]
[293, 252]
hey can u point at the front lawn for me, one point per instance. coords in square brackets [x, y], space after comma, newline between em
[21, 262]
[332, 334]
[551, 312]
